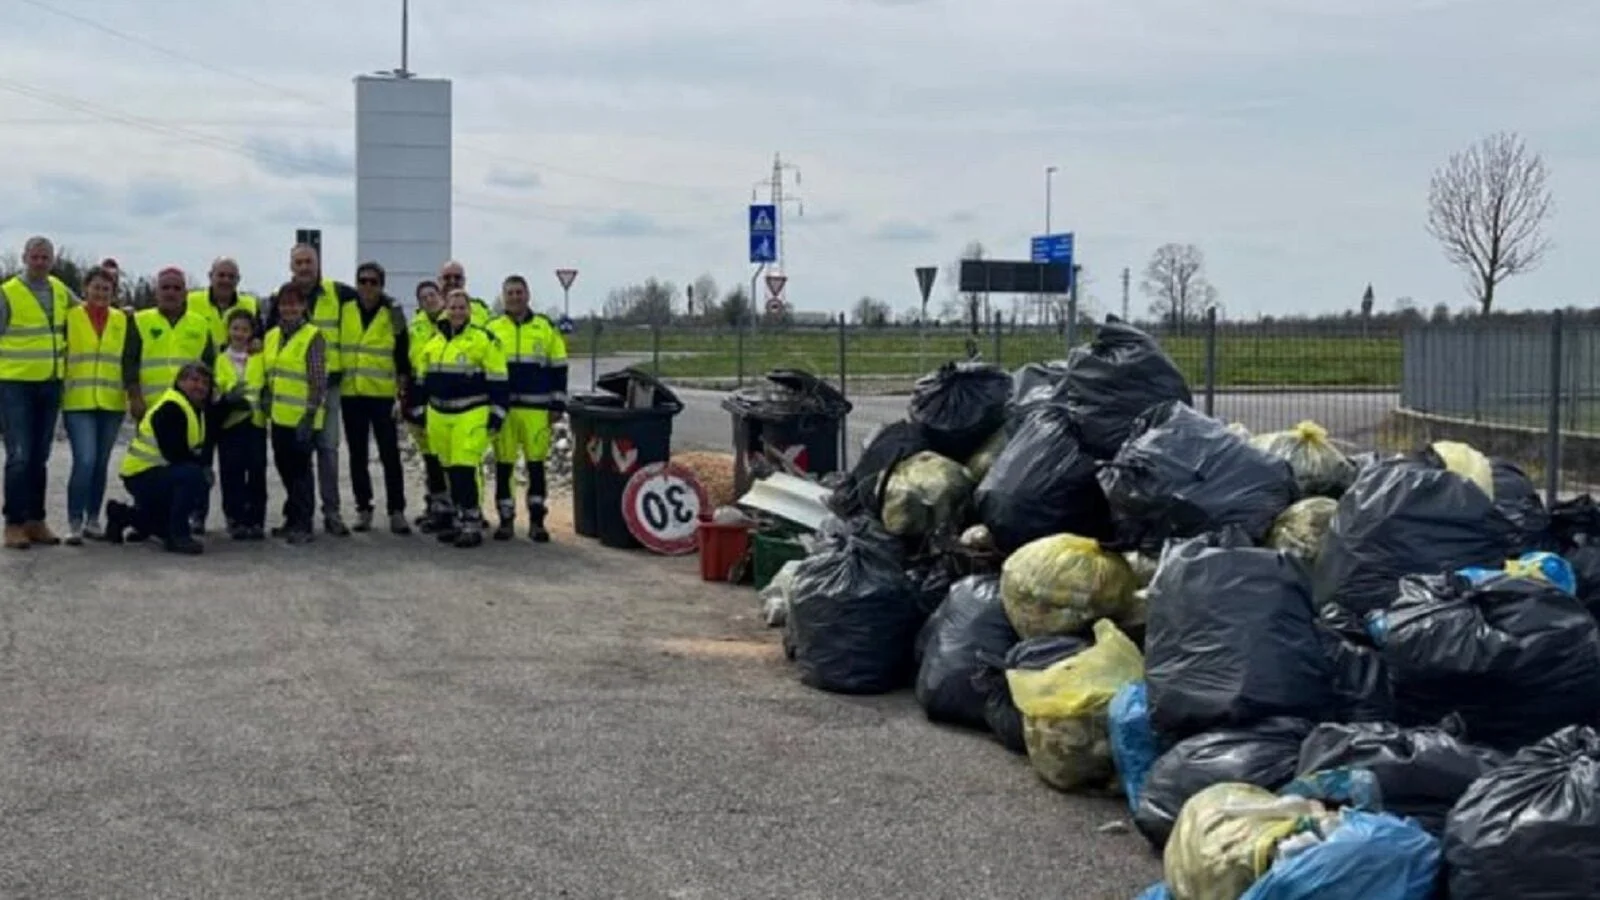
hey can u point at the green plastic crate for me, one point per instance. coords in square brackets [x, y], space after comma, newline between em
[770, 550]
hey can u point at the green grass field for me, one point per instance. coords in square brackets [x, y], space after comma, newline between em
[1242, 360]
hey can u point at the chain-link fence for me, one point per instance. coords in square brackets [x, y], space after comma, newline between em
[1521, 388]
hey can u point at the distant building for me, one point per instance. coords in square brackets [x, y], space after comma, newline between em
[403, 184]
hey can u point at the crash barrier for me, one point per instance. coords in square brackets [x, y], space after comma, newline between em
[1309, 673]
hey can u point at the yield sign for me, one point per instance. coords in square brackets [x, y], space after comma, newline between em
[925, 276]
[624, 454]
[566, 277]
[775, 284]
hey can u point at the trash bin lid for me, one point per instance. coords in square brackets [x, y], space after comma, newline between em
[624, 387]
[802, 382]
[790, 393]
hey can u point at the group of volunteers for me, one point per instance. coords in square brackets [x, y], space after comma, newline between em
[218, 381]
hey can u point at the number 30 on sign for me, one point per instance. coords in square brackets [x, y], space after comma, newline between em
[662, 505]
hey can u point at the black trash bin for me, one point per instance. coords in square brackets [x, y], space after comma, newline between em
[791, 423]
[615, 434]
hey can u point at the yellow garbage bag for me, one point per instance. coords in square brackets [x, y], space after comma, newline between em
[1298, 530]
[1060, 584]
[1466, 461]
[1226, 836]
[1320, 468]
[1064, 709]
[983, 460]
[925, 492]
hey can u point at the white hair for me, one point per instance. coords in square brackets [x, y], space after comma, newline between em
[39, 242]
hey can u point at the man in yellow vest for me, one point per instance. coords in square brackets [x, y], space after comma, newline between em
[325, 299]
[166, 469]
[161, 342]
[453, 277]
[33, 342]
[296, 359]
[536, 361]
[223, 296]
[377, 358]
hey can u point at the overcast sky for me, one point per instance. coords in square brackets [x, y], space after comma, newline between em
[1292, 140]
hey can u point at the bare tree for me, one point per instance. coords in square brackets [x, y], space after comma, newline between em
[704, 294]
[1487, 207]
[967, 306]
[1176, 284]
[871, 312]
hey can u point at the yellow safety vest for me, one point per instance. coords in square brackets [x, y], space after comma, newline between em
[143, 452]
[481, 313]
[255, 378]
[368, 353]
[533, 349]
[32, 348]
[201, 305]
[94, 362]
[422, 331]
[165, 348]
[325, 314]
[288, 378]
[461, 366]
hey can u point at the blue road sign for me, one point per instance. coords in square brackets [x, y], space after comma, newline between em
[763, 233]
[1052, 248]
[566, 325]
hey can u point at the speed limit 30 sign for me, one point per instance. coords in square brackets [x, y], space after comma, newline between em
[662, 505]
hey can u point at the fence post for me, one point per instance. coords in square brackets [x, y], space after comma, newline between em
[738, 349]
[998, 321]
[1072, 319]
[1552, 452]
[655, 346]
[844, 423]
[594, 350]
[1211, 361]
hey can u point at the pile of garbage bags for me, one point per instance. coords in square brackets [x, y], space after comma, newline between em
[1304, 673]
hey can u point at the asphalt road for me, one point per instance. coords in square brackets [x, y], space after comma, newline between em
[1350, 417]
[389, 718]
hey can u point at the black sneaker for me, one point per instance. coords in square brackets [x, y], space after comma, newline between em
[469, 537]
[300, 536]
[538, 534]
[363, 521]
[506, 531]
[335, 526]
[189, 547]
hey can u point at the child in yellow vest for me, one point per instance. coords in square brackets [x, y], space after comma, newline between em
[242, 445]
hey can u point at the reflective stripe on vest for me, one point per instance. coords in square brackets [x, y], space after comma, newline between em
[217, 319]
[255, 378]
[325, 314]
[165, 348]
[368, 353]
[144, 453]
[463, 363]
[289, 378]
[94, 362]
[533, 350]
[33, 347]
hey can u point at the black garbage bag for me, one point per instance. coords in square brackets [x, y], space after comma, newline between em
[1575, 532]
[862, 490]
[1531, 828]
[852, 620]
[1111, 382]
[1043, 483]
[1516, 658]
[931, 582]
[836, 531]
[1361, 688]
[1420, 772]
[1031, 386]
[959, 405]
[1263, 754]
[999, 713]
[1184, 473]
[1405, 517]
[1519, 501]
[970, 621]
[1231, 638]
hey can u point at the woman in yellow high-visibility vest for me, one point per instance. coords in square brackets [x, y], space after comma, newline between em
[424, 325]
[92, 404]
[464, 388]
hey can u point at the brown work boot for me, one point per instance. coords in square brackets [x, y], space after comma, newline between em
[40, 533]
[17, 537]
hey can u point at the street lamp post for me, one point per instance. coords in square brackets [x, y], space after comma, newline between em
[1049, 175]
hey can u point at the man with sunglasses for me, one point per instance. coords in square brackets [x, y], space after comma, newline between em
[377, 363]
[453, 277]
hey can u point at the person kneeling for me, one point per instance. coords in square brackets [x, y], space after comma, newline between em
[165, 468]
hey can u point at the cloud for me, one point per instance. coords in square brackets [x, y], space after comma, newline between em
[904, 232]
[512, 180]
[290, 159]
[623, 224]
[155, 198]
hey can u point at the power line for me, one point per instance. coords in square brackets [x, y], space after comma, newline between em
[317, 101]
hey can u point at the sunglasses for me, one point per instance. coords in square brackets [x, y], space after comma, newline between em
[369, 281]
[454, 278]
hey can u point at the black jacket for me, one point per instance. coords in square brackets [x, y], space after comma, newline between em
[171, 428]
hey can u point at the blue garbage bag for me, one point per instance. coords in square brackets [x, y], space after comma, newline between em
[1550, 567]
[1367, 856]
[1133, 741]
[1155, 892]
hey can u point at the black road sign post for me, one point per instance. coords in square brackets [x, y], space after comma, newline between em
[925, 277]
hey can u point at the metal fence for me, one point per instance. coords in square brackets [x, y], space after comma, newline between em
[1523, 388]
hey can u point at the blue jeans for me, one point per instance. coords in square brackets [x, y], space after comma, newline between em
[92, 434]
[28, 409]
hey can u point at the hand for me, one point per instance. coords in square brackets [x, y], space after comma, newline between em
[334, 378]
[136, 408]
[303, 433]
[234, 394]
